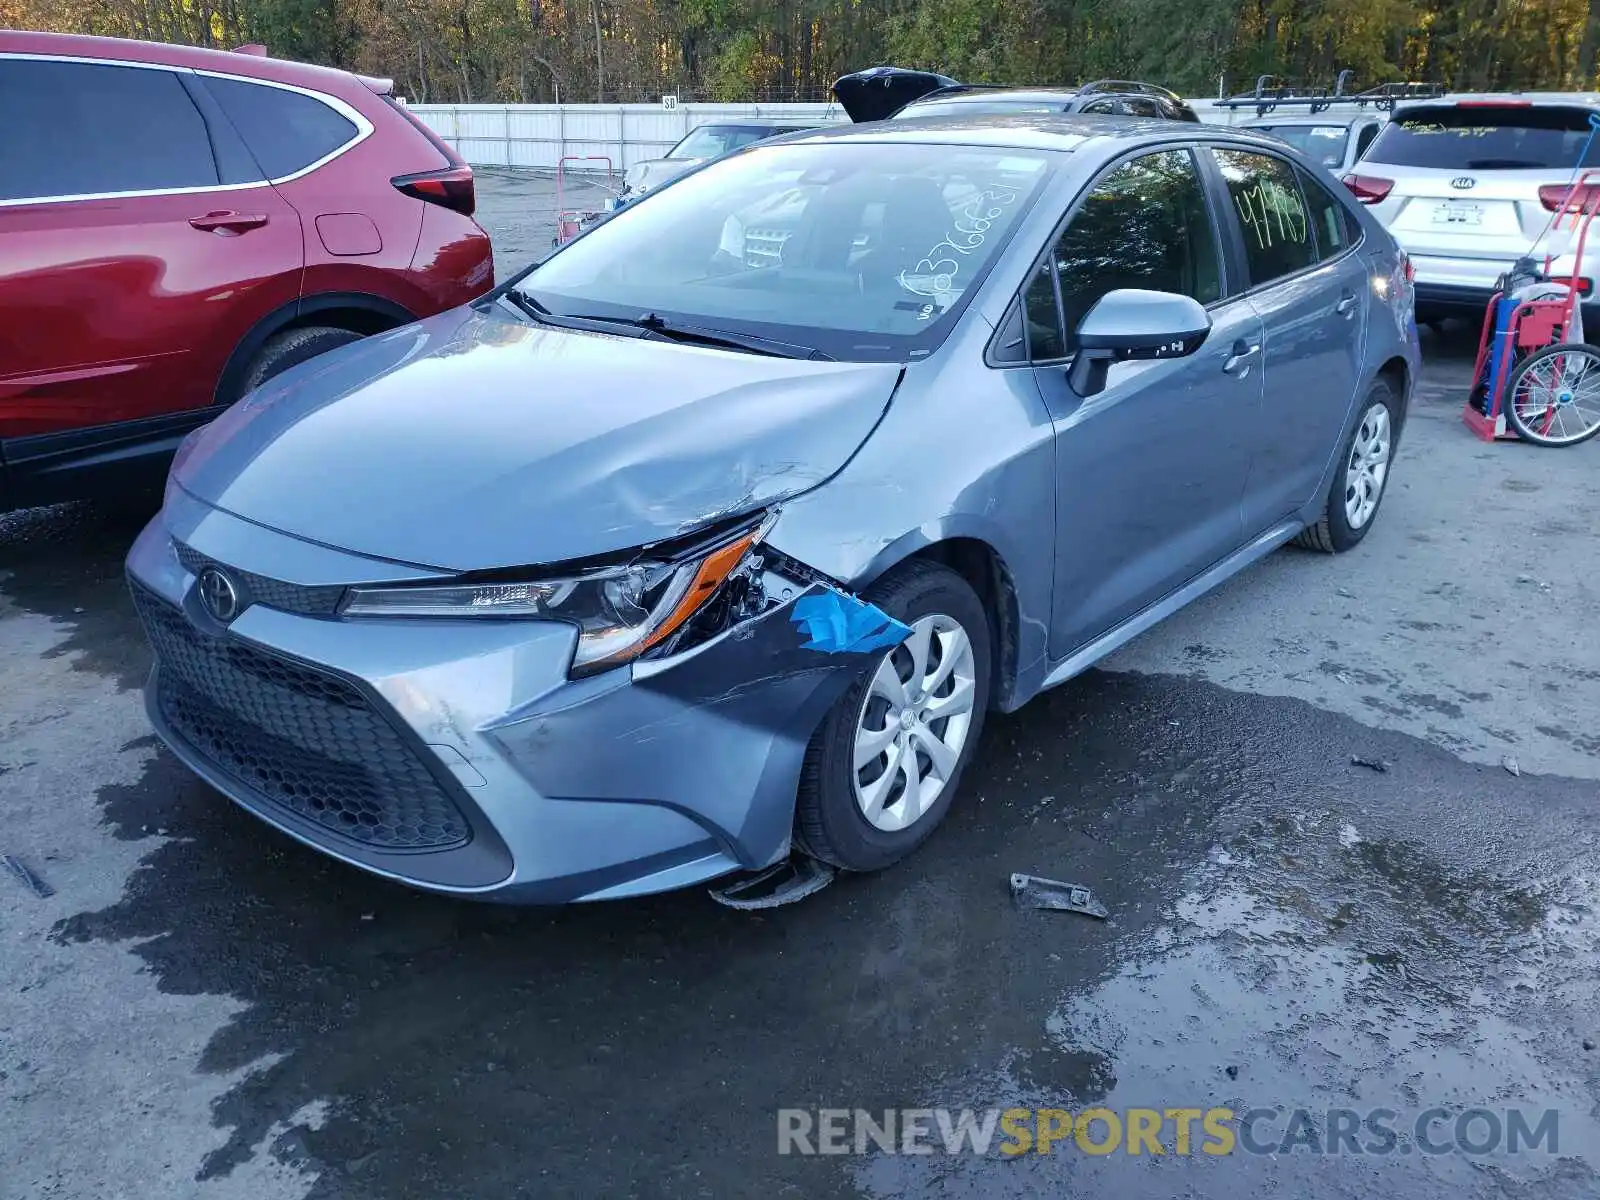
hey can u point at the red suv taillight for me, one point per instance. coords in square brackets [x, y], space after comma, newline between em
[450, 186]
[1555, 196]
[1407, 267]
[1368, 189]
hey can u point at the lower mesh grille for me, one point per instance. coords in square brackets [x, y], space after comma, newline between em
[307, 740]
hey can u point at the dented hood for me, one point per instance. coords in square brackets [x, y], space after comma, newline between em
[473, 440]
[879, 92]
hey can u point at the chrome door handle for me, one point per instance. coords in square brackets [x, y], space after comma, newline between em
[1243, 355]
[1346, 306]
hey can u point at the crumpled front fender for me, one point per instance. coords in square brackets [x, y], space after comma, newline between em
[717, 733]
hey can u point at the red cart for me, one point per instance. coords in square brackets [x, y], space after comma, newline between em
[571, 221]
[1536, 378]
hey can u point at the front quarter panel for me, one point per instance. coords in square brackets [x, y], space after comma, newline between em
[965, 451]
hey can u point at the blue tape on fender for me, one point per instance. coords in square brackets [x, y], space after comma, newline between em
[840, 624]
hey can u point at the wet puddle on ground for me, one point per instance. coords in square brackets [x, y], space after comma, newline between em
[1304, 969]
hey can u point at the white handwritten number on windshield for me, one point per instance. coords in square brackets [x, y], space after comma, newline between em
[935, 274]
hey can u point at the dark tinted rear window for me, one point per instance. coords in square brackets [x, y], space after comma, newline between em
[1486, 139]
[286, 131]
[74, 129]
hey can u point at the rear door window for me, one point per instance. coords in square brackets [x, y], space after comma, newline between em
[1335, 229]
[286, 131]
[1278, 237]
[1142, 106]
[81, 129]
[1486, 138]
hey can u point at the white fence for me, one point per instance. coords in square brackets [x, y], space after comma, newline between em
[538, 135]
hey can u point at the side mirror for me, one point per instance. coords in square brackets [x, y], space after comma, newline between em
[1129, 324]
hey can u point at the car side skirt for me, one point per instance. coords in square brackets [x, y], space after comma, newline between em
[82, 464]
[1086, 657]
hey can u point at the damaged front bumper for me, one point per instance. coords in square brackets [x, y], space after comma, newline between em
[458, 757]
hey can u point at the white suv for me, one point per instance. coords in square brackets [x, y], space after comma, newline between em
[1468, 184]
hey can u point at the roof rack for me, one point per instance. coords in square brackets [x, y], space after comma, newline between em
[1270, 95]
[1126, 87]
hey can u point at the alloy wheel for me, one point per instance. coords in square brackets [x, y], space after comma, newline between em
[1368, 467]
[914, 723]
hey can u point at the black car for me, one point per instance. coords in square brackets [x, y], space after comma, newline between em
[892, 93]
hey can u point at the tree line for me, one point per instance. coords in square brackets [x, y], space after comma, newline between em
[535, 51]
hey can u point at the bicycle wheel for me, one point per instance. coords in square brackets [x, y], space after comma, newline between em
[1553, 398]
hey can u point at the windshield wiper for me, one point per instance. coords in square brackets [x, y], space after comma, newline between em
[1502, 164]
[526, 305]
[706, 335]
[653, 324]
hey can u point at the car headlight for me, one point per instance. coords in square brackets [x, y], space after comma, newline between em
[620, 612]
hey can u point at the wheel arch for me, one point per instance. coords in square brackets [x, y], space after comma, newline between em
[1396, 372]
[359, 312]
[984, 568]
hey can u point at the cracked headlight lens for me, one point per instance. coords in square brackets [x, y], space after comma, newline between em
[620, 611]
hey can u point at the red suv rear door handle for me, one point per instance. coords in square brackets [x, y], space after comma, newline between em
[229, 222]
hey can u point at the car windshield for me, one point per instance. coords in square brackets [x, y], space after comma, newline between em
[1321, 143]
[1488, 137]
[862, 250]
[711, 141]
[977, 108]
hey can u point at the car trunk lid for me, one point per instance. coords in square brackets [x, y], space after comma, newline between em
[879, 92]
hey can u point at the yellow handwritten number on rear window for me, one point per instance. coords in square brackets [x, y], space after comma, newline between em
[1272, 214]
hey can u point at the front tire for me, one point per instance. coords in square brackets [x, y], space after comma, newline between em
[881, 771]
[292, 347]
[1362, 477]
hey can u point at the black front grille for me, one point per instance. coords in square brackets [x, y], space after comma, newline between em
[317, 601]
[308, 741]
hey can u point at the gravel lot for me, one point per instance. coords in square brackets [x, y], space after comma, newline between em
[204, 1009]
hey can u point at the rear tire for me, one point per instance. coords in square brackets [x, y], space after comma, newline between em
[832, 820]
[291, 348]
[1361, 477]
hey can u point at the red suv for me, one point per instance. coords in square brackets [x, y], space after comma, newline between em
[178, 225]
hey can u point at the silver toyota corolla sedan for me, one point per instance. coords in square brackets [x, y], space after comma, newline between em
[717, 534]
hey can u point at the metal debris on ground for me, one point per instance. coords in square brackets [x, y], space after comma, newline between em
[1034, 891]
[1510, 763]
[26, 876]
[794, 879]
[1371, 764]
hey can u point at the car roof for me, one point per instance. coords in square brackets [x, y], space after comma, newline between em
[1513, 99]
[1326, 118]
[1062, 132]
[976, 93]
[254, 66]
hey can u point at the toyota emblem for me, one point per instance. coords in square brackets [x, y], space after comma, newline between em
[218, 596]
[1462, 182]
